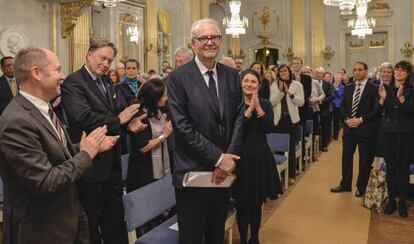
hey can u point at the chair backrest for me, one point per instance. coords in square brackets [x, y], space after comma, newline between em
[278, 142]
[309, 127]
[147, 202]
[299, 136]
[124, 165]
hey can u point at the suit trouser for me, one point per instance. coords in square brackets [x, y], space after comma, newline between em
[103, 205]
[366, 147]
[336, 122]
[326, 121]
[201, 214]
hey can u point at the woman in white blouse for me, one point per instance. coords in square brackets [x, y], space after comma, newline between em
[286, 96]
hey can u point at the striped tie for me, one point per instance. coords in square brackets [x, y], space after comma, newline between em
[355, 103]
[58, 127]
[13, 87]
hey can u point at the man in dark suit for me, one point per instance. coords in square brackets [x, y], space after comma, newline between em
[204, 100]
[359, 110]
[305, 112]
[39, 164]
[88, 98]
[8, 85]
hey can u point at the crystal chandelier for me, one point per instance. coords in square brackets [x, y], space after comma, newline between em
[362, 26]
[132, 32]
[234, 25]
[110, 3]
[334, 3]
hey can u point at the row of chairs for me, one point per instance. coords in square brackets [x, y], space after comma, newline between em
[279, 145]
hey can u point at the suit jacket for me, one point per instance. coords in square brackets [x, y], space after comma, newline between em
[5, 93]
[88, 109]
[41, 195]
[305, 112]
[203, 130]
[368, 110]
[326, 107]
[124, 95]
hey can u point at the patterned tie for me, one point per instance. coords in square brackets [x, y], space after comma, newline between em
[212, 84]
[58, 127]
[101, 86]
[355, 103]
[13, 87]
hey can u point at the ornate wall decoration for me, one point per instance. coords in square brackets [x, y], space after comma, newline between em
[357, 44]
[265, 25]
[377, 44]
[376, 9]
[327, 52]
[69, 14]
[128, 19]
[289, 54]
[407, 50]
[164, 22]
[240, 54]
[11, 41]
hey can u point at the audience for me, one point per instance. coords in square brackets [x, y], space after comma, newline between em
[264, 91]
[239, 63]
[8, 85]
[120, 68]
[339, 90]
[386, 72]
[114, 76]
[182, 55]
[286, 97]
[396, 134]
[228, 61]
[127, 90]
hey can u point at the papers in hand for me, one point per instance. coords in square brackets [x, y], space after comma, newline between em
[203, 179]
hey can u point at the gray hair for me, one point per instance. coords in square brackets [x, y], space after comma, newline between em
[228, 61]
[100, 44]
[26, 59]
[196, 24]
[183, 51]
[386, 65]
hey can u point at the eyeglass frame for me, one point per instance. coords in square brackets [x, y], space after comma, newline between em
[205, 39]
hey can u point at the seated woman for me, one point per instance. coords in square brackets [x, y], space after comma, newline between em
[257, 176]
[396, 135]
[286, 97]
[149, 159]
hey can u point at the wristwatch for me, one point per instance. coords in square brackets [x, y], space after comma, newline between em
[161, 138]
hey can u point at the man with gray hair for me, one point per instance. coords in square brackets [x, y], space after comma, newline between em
[228, 61]
[40, 166]
[182, 55]
[386, 71]
[203, 99]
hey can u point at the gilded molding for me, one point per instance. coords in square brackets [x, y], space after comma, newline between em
[128, 18]
[69, 14]
[298, 28]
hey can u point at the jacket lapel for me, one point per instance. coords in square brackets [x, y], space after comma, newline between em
[41, 118]
[92, 85]
[202, 86]
[221, 76]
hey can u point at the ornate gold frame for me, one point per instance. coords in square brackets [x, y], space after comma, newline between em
[69, 14]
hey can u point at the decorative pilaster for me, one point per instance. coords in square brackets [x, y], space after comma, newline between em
[69, 14]
[318, 32]
[298, 27]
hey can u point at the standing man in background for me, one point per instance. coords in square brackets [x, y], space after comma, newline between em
[8, 85]
[88, 97]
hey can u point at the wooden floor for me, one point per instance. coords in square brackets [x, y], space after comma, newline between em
[309, 213]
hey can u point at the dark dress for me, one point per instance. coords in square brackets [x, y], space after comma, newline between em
[257, 176]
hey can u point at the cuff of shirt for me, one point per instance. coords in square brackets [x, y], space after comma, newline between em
[362, 121]
[219, 160]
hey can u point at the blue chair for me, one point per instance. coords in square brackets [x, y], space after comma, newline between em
[298, 148]
[280, 143]
[411, 173]
[308, 141]
[146, 203]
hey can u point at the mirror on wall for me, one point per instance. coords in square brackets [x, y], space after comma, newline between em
[130, 35]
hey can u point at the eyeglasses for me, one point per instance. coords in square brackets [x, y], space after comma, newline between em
[204, 39]
[400, 70]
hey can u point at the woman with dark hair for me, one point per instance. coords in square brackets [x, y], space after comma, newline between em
[257, 176]
[264, 91]
[148, 158]
[115, 78]
[396, 134]
[127, 90]
[286, 97]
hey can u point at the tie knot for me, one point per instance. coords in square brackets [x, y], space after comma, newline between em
[210, 73]
[98, 80]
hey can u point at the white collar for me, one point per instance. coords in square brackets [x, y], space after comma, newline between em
[37, 102]
[203, 69]
[90, 73]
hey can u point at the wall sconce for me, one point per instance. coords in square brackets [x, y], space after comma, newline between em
[328, 53]
[240, 54]
[148, 49]
[407, 50]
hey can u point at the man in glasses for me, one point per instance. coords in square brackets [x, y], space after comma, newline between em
[203, 100]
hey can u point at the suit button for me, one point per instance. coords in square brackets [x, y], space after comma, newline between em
[396, 107]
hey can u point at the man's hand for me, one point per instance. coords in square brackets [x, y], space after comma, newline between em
[91, 143]
[136, 124]
[108, 143]
[228, 163]
[218, 176]
[128, 113]
[354, 122]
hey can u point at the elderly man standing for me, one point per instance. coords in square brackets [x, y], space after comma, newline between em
[88, 97]
[206, 141]
[40, 166]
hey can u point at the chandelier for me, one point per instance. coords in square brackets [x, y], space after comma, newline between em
[110, 3]
[132, 32]
[362, 26]
[234, 25]
[334, 3]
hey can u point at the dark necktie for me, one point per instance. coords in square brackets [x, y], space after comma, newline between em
[357, 97]
[101, 86]
[58, 127]
[212, 84]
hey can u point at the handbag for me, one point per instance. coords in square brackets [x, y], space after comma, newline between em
[376, 193]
